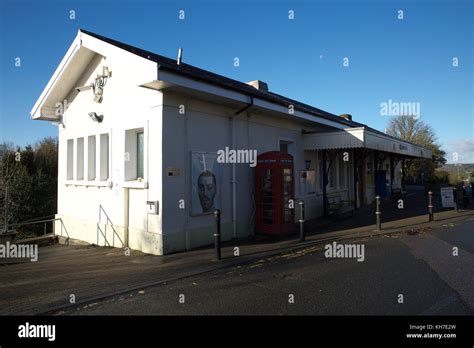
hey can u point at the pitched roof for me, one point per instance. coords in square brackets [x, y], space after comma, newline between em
[169, 64]
[191, 71]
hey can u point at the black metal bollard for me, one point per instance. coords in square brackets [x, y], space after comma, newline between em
[430, 206]
[378, 213]
[217, 234]
[455, 198]
[301, 221]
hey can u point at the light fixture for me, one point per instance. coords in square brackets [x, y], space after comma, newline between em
[106, 72]
[98, 94]
[95, 117]
[307, 164]
[85, 88]
[98, 85]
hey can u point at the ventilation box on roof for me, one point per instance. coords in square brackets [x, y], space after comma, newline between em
[260, 85]
[346, 116]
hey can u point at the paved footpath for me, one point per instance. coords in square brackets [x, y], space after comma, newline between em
[93, 273]
[419, 266]
[457, 271]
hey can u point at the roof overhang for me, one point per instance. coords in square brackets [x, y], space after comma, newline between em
[62, 82]
[167, 80]
[360, 137]
[78, 58]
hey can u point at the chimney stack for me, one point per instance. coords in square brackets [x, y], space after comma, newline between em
[346, 116]
[260, 85]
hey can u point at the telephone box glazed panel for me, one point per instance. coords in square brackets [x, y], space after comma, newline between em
[274, 189]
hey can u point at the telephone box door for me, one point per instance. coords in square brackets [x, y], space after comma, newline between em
[274, 191]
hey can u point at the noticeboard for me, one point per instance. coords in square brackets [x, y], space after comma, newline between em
[447, 197]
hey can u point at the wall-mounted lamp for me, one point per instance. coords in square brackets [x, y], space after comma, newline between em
[106, 72]
[95, 117]
[85, 88]
[307, 164]
[98, 85]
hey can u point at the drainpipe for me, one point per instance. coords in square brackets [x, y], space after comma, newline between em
[234, 180]
[251, 183]
[234, 184]
[245, 107]
[187, 188]
[355, 177]
[126, 215]
[325, 182]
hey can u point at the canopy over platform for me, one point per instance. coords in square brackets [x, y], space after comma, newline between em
[361, 137]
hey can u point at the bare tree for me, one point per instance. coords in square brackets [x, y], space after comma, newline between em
[416, 131]
[9, 165]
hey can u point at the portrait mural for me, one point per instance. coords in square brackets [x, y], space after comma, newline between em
[205, 183]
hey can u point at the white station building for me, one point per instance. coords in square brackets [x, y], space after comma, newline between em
[139, 138]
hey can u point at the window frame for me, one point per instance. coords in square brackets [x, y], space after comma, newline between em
[70, 159]
[140, 154]
[80, 153]
[131, 171]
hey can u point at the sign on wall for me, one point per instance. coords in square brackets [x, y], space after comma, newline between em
[205, 181]
[447, 197]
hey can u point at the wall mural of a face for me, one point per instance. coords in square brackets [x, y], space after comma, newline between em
[205, 180]
[207, 191]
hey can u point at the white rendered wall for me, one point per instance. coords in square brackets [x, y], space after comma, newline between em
[207, 127]
[125, 106]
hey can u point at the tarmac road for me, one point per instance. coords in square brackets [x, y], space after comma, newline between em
[419, 266]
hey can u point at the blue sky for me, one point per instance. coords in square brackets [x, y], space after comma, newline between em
[407, 60]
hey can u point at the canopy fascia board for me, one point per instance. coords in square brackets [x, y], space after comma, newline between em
[360, 137]
[166, 79]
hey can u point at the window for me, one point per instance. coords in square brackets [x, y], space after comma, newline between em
[104, 157]
[80, 159]
[134, 154]
[140, 155]
[287, 146]
[70, 159]
[91, 157]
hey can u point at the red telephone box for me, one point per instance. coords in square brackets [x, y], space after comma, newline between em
[274, 189]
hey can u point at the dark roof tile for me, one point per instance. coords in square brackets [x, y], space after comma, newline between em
[207, 76]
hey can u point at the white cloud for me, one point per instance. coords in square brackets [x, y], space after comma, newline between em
[463, 149]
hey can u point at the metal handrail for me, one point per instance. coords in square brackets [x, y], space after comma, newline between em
[108, 222]
[35, 219]
[65, 229]
[32, 222]
[29, 222]
[103, 235]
